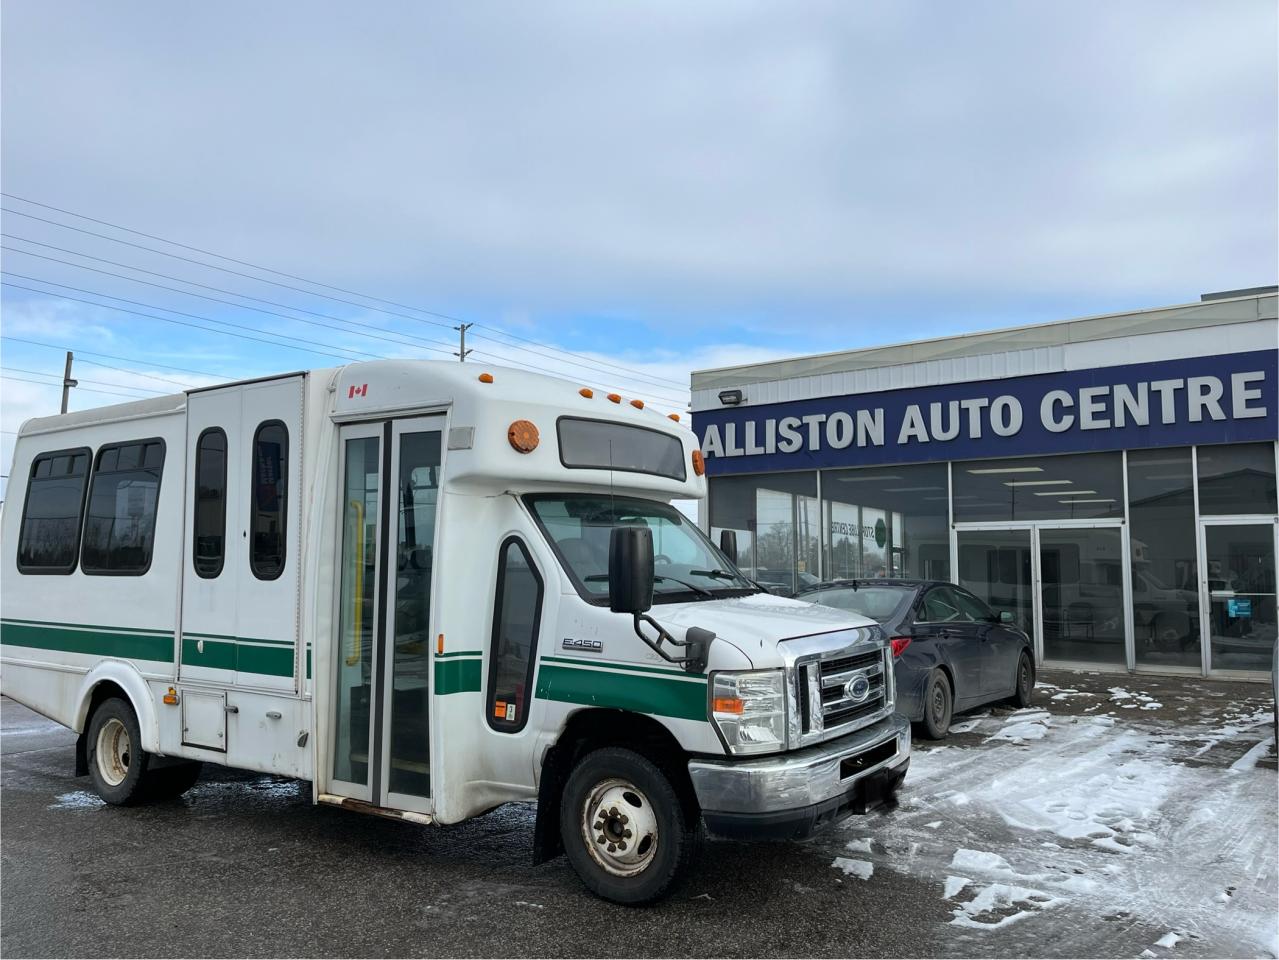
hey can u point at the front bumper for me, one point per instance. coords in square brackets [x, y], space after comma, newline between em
[791, 795]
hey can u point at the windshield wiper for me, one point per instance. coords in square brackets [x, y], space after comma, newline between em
[725, 575]
[700, 591]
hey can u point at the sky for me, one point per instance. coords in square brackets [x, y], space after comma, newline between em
[639, 189]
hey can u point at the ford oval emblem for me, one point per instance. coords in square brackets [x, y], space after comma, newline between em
[858, 688]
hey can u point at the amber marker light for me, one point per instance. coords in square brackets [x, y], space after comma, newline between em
[171, 697]
[699, 463]
[523, 436]
[486, 378]
[615, 397]
[728, 705]
[587, 392]
[673, 416]
[439, 643]
[637, 404]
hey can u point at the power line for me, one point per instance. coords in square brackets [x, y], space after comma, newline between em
[90, 353]
[430, 313]
[109, 393]
[103, 383]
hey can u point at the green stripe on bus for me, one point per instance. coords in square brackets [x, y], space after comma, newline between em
[457, 676]
[270, 661]
[223, 636]
[638, 692]
[458, 653]
[156, 647]
[629, 667]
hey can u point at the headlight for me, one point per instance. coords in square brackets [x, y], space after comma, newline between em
[749, 710]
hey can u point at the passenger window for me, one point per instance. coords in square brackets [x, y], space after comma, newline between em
[971, 608]
[209, 522]
[119, 526]
[268, 520]
[940, 606]
[516, 614]
[49, 537]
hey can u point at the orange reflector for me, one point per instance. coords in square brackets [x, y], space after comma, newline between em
[486, 378]
[699, 463]
[673, 416]
[615, 397]
[587, 392]
[499, 709]
[637, 404]
[523, 436]
[171, 697]
[439, 643]
[727, 705]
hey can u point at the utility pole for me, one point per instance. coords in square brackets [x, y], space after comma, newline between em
[461, 351]
[67, 382]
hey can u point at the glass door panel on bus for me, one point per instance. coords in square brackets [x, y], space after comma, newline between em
[357, 606]
[997, 566]
[381, 713]
[1082, 586]
[1241, 607]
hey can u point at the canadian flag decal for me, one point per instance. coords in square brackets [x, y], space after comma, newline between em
[361, 391]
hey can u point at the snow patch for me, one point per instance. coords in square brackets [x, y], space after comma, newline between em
[860, 869]
[1169, 940]
[1249, 760]
[1001, 904]
[953, 886]
[78, 800]
[859, 846]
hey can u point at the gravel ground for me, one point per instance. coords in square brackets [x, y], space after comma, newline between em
[1120, 816]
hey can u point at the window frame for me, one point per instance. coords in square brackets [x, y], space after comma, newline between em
[504, 726]
[253, 500]
[159, 484]
[195, 503]
[559, 448]
[67, 570]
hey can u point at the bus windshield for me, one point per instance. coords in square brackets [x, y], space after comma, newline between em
[686, 565]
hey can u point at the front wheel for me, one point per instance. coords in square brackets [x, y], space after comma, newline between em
[117, 762]
[625, 830]
[1025, 689]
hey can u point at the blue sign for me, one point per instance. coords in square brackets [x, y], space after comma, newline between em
[1220, 399]
[1237, 607]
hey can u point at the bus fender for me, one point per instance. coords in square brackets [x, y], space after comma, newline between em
[125, 676]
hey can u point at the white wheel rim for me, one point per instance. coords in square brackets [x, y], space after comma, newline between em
[114, 751]
[619, 828]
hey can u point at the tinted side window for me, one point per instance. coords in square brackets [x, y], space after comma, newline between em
[940, 606]
[268, 520]
[209, 520]
[516, 614]
[49, 538]
[972, 607]
[119, 525]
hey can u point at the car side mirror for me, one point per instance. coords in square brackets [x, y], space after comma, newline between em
[630, 569]
[1006, 616]
[728, 545]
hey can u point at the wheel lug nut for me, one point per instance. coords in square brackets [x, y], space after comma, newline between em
[625, 819]
[627, 834]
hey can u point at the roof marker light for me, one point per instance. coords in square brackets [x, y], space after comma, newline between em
[637, 404]
[486, 378]
[523, 436]
[615, 397]
[699, 462]
[587, 392]
[673, 416]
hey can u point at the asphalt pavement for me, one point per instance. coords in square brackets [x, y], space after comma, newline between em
[244, 865]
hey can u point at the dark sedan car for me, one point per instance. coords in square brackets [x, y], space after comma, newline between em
[951, 652]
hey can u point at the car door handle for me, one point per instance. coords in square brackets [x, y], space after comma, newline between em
[943, 634]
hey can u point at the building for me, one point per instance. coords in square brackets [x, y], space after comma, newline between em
[1108, 480]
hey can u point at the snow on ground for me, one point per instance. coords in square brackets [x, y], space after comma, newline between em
[1061, 828]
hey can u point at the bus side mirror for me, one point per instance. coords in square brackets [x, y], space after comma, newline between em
[728, 545]
[630, 570]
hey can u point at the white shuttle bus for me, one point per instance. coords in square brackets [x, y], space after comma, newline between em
[431, 590]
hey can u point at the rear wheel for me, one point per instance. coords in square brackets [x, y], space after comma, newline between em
[169, 783]
[938, 702]
[625, 830]
[117, 762]
[1024, 692]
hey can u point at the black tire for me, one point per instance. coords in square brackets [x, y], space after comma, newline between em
[939, 701]
[169, 783]
[609, 792]
[117, 763]
[1024, 682]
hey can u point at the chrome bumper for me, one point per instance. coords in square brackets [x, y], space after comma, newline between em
[801, 780]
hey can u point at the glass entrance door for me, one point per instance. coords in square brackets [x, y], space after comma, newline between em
[1081, 575]
[998, 566]
[1239, 595]
[390, 475]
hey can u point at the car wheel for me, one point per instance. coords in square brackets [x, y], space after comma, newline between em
[1024, 691]
[938, 702]
[117, 762]
[625, 830]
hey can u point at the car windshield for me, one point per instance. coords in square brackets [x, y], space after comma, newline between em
[877, 602]
[685, 564]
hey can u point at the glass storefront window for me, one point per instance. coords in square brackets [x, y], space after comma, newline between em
[776, 519]
[1088, 486]
[886, 521]
[1236, 478]
[1165, 590]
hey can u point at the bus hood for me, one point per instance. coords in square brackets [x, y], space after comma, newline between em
[757, 623]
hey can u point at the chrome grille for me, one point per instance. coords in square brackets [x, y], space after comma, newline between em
[825, 707]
